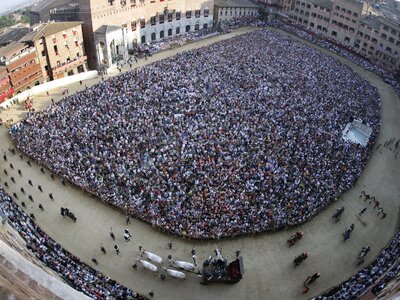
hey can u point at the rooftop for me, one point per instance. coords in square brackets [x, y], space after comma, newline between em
[13, 34]
[235, 3]
[104, 29]
[49, 29]
[46, 5]
[323, 3]
[11, 48]
[372, 21]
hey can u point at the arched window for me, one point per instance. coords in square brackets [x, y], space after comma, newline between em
[205, 26]
[197, 27]
[153, 36]
[206, 12]
[178, 30]
[187, 28]
[143, 39]
[161, 34]
[170, 32]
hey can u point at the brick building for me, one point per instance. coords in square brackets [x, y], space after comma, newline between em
[139, 21]
[6, 90]
[22, 64]
[60, 49]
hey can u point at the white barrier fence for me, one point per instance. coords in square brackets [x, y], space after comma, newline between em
[38, 89]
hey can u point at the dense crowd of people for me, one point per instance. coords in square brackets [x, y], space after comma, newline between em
[238, 137]
[354, 287]
[326, 42]
[79, 275]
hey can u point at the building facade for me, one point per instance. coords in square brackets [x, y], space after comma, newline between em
[6, 90]
[139, 22]
[22, 64]
[225, 10]
[60, 49]
[356, 24]
[378, 39]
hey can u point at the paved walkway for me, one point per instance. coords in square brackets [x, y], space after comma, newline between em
[269, 273]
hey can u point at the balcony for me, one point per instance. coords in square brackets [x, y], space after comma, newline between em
[69, 65]
[28, 80]
[25, 72]
[21, 55]
[21, 61]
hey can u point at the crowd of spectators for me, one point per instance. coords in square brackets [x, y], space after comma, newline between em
[322, 40]
[370, 276]
[235, 138]
[76, 273]
[180, 40]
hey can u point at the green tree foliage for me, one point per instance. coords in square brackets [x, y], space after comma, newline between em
[9, 20]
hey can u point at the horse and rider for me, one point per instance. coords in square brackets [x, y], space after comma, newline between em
[364, 251]
[338, 213]
[294, 238]
[299, 259]
[347, 232]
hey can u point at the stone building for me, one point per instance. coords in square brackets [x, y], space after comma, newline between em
[60, 49]
[357, 24]
[225, 10]
[40, 12]
[138, 22]
[22, 64]
[378, 39]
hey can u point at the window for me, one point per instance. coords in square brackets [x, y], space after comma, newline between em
[64, 35]
[170, 16]
[334, 33]
[161, 34]
[153, 36]
[187, 28]
[206, 12]
[197, 13]
[54, 40]
[111, 2]
[153, 20]
[55, 49]
[197, 27]
[133, 25]
[178, 30]
[123, 3]
[142, 24]
[161, 18]
[143, 39]
[169, 32]
[178, 15]
[188, 14]
[66, 44]
[43, 53]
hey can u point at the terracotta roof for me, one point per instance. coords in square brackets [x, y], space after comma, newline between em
[12, 48]
[49, 29]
